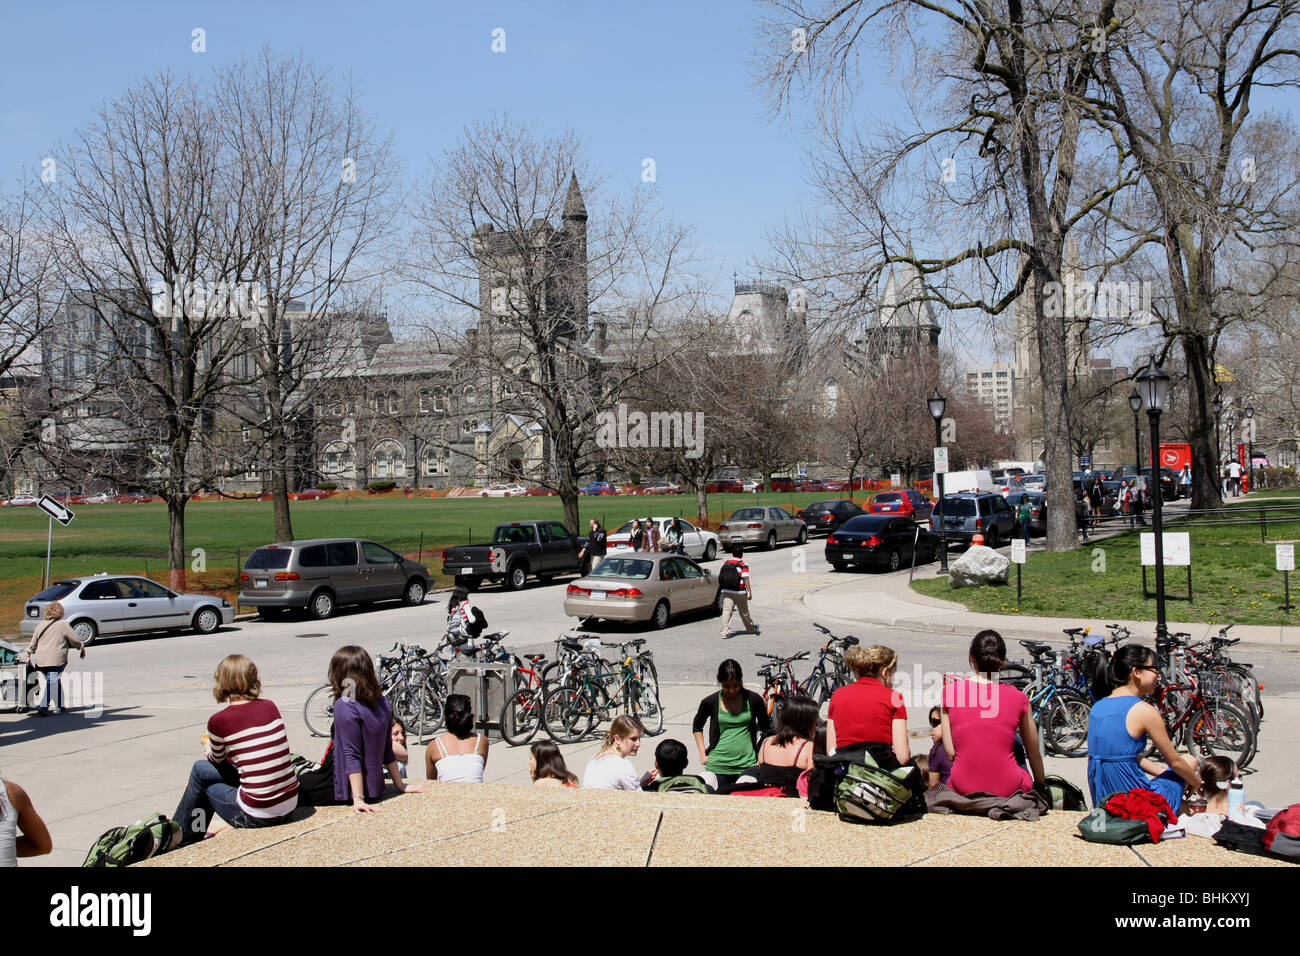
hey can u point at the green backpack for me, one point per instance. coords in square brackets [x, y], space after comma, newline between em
[868, 794]
[1102, 826]
[122, 846]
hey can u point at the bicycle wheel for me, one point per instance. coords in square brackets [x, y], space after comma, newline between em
[643, 700]
[568, 714]
[1065, 725]
[521, 715]
[318, 712]
[817, 690]
[1219, 727]
[432, 694]
[1249, 687]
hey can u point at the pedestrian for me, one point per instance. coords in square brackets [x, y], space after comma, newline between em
[1234, 476]
[1140, 502]
[735, 591]
[651, 540]
[1025, 515]
[48, 653]
[1081, 512]
[464, 621]
[245, 778]
[17, 814]
[1125, 502]
[1096, 495]
[735, 716]
[637, 535]
[595, 545]
[1185, 481]
[673, 539]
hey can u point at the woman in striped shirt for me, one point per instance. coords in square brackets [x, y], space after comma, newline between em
[245, 779]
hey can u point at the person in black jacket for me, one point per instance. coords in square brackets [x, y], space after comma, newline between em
[595, 545]
[735, 717]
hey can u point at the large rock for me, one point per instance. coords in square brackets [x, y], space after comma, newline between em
[979, 565]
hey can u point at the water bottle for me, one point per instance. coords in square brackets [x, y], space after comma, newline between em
[1236, 797]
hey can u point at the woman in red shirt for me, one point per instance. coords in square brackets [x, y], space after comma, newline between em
[980, 718]
[869, 715]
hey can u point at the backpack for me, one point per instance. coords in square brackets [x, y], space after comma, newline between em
[729, 576]
[868, 794]
[1102, 826]
[122, 846]
[1064, 795]
[1282, 836]
[1242, 838]
[315, 780]
[686, 783]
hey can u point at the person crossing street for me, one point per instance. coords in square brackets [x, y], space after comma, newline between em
[736, 591]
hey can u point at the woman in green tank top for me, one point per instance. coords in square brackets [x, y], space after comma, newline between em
[737, 716]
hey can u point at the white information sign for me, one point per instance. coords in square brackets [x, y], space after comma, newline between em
[1017, 550]
[941, 461]
[1286, 557]
[895, 480]
[1177, 548]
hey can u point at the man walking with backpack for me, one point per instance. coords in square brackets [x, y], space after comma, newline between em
[736, 592]
[595, 545]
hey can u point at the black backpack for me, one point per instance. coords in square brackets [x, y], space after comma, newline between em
[729, 577]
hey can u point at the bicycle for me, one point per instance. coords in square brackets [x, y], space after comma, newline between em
[829, 674]
[1060, 712]
[579, 703]
[1209, 725]
[779, 682]
[521, 714]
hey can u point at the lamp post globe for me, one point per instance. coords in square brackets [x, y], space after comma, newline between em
[1135, 403]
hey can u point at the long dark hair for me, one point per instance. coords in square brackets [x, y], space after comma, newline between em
[797, 720]
[458, 595]
[1121, 666]
[352, 675]
[550, 762]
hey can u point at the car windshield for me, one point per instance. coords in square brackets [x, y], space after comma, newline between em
[56, 591]
[887, 496]
[623, 568]
[958, 507]
[747, 514]
[863, 523]
[268, 559]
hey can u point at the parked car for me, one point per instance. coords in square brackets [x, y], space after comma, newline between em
[102, 498]
[662, 488]
[955, 482]
[1038, 510]
[826, 516]
[642, 586]
[598, 488]
[766, 526]
[906, 503]
[751, 484]
[322, 574]
[725, 486]
[970, 513]
[517, 550]
[311, 494]
[700, 544]
[1033, 482]
[112, 604]
[504, 491]
[880, 541]
[21, 501]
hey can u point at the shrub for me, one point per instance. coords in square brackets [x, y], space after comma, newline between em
[382, 485]
[328, 486]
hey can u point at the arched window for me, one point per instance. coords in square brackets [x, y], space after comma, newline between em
[388, 460]
[336, 459]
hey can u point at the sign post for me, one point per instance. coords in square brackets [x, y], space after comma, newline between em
[1018, 558]
[1286, 564]
[63, 516]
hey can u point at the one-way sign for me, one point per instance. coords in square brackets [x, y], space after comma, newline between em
[55, 510]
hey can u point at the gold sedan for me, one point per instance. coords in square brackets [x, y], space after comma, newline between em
[642, 586]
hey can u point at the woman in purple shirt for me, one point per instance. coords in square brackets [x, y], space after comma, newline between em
[363, 722]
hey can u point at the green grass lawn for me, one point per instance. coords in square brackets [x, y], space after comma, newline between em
[1233, 577]
[133, 538]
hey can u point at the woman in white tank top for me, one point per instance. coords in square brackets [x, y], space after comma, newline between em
[17, 813]
[457, 757]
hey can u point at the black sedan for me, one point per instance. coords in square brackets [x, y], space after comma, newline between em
[825, 516]
[880, 541]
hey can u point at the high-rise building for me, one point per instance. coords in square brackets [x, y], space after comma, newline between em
[995, 386]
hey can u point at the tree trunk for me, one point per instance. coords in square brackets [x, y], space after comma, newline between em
[176, 555]
[1206, 487]
[279, 476]
[1052, 361]
[702, 504]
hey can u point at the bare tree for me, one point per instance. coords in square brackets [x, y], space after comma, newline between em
[552, 322]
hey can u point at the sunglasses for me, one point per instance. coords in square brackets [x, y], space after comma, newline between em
[1146, 667]
[935, 723]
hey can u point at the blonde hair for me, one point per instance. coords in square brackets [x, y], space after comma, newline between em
[53, 611]
[871, 661]
[622, 727]
[236, 676]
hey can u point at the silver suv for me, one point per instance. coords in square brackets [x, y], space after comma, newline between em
[971, 513]
[323, 573]
[112, 604]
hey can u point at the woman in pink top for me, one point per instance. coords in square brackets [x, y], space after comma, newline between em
[980, 718]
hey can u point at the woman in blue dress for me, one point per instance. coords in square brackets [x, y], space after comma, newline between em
[1118, 727]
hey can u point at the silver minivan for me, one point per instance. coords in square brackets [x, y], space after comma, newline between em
[323, 573]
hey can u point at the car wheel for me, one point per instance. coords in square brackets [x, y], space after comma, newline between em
[86, 631]
[660, 617]
[991, 539]
[803, 535]
[414, 593]
[321, 605]
[771, 541]
[710, 551]
[207, 620]
[895, 560]
[516, 576]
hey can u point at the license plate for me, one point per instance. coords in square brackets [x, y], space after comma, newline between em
[461, 571]
[259, 582]
[598, 595]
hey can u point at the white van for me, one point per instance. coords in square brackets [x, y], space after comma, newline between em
[956, 482]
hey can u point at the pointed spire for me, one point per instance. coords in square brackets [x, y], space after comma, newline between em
[574, 207]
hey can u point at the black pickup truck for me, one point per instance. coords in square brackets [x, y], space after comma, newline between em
[518, 549]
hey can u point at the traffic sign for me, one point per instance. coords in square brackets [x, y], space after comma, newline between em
[1085, 461]
[55, 510]
[1286, 557]
[1018, 550]
[941, 460]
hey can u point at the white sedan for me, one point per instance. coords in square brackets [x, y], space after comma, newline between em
[100, 499]
[505, 491]
[700, 544]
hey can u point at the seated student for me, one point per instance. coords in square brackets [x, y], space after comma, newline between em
[546, 767]
[611, 769]
[670, 761]
[1118, 727]
[789, 752]
[399, 745]
[245, 777]
[869, 715]
[938, 768]
[1217, 774]
[980, 717]
[455, 757]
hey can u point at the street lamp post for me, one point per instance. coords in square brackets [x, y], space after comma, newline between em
[1218, 441]
[937, 404]
[1154, 385]
[1232, 426]
[1135, 403]
[1250, 442]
